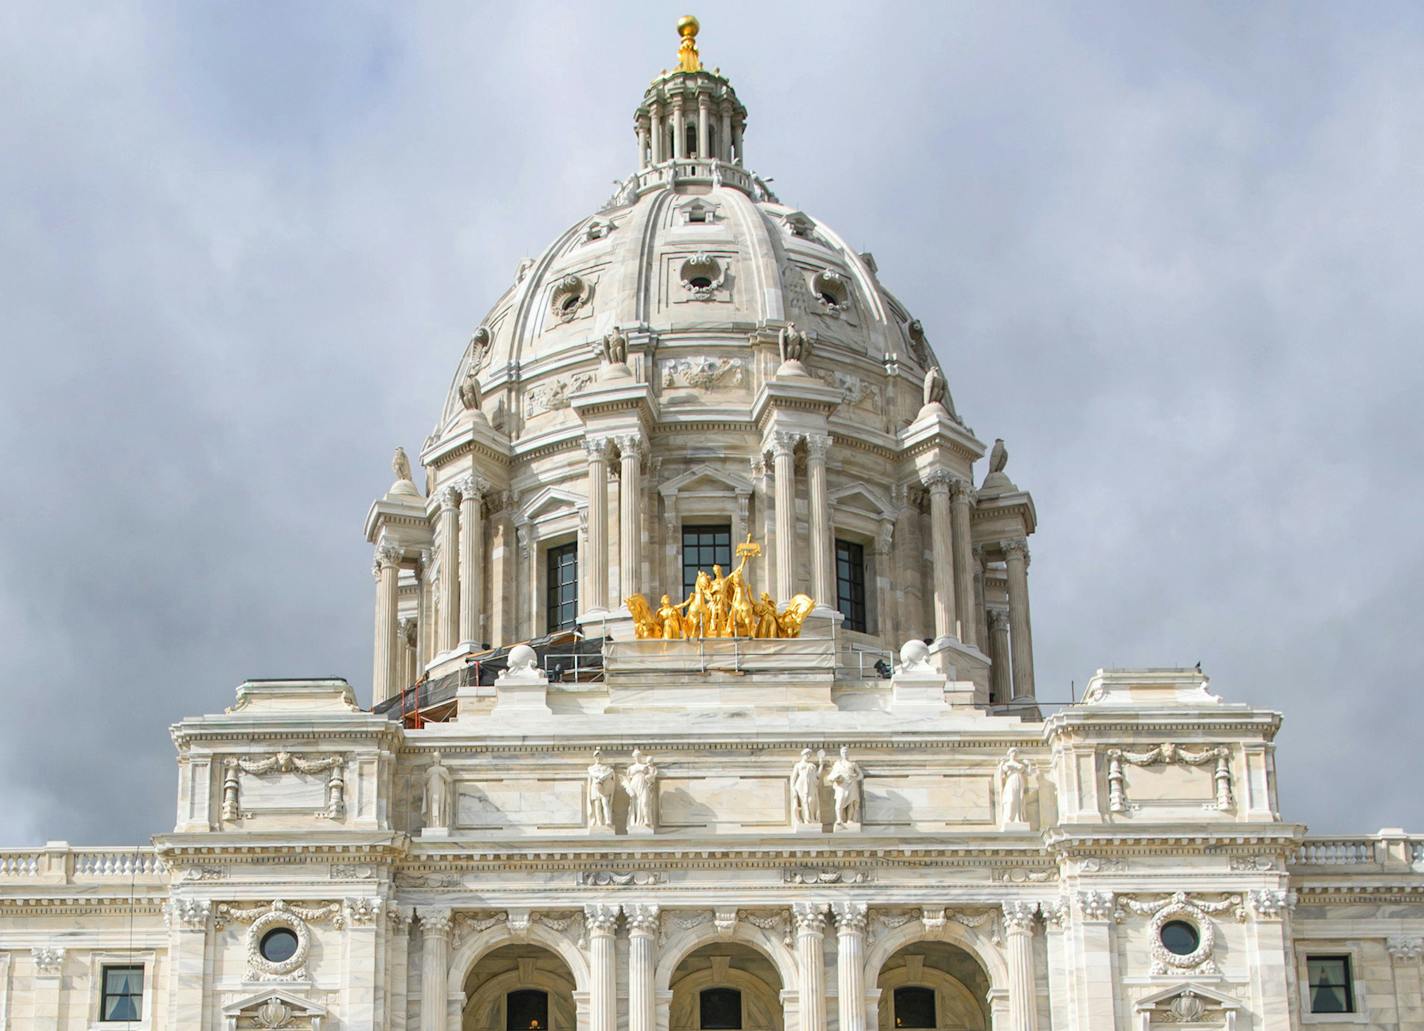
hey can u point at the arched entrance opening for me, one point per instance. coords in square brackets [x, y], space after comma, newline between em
[933, 986]
[725, 986]
[519, 987]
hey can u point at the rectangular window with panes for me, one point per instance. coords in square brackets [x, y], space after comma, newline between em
[1330, 985]
[702, 547]
[850, 584]
[561, 587]
[122, 994]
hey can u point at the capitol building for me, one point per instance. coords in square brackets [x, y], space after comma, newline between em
[703, 699]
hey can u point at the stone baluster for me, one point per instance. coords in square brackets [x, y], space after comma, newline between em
[435, 925]
[823, 581]
[601, 921]
[472, 558]
[942, 535]
[642, 948]
[1000, 690]
[384, 668]
[630, 522]
[850, 964]
[810, 919]
[961, 495]
[1020, 634]
[1023, 989]
[597, 450]
[449, 589]
[784, 486]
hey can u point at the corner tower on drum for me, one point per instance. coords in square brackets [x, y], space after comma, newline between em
[703, 701]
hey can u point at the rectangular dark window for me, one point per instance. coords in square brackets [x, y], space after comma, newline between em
[850, 584]
[702, 546]
[122, 997]
[914, 1007]
[561, 587]
[526, 1010]
[720, 1009]
[1331, 989]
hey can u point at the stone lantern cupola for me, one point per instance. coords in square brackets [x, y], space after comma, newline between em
[689, 113]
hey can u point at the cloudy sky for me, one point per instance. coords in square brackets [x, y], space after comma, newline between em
[1171, 253]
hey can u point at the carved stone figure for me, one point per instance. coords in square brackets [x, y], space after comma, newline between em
[806, 790]
[437, 796]
[919, 343]
[400, 464]
[794, 345]
[470, 395]
[615, 348]
[845, 780]
[934, 388]
[1013, 783]
[999, 456]
[639, 782]
[600, 793]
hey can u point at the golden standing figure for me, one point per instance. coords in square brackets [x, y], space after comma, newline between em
[720, 606]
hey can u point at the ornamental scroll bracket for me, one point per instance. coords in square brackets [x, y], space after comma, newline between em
[285, 762]
[1168, 753]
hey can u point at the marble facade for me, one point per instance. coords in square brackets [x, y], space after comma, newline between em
[724, 834]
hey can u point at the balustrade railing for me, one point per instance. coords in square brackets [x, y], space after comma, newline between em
[58, 863]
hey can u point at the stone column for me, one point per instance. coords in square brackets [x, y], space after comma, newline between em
[885, 584]
[784, 485]
[850, 964]
[449, 592]
[434, 968]
[679, 130]
[810, 918]
[823, 581]
[1020, 634]
[642, 962]
[1000, 690]
[630, 521]
[702, 149]
[961, 494]
[597, 448]
[642, 146]
[472, 559]
[724, 138]
[981, 618]
[1023, 988]
[384, 669]
[407, 632]
[942, 536]
[424, 637]
[737, 143]
[600, 922]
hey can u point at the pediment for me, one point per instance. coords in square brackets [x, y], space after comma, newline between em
[857, 497]
[1208, 995]
[706, 479]
[550, 501]
[274, 1008]
[1188, 1005]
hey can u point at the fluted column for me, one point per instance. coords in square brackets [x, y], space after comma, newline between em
[810, 920]
[383, 665]
[1001, 690]
[1020, 632]
[850, 964]
[960, 496]
[1023, 991]
[642, 962]
[601, 921]
[407, 629]
[472, 558]
[942, 536]
[630, 514]
[434, 962]
[597, 449]
[784, 484]
[737, 143]
[449, 629]
[823, 581]
[702, 150]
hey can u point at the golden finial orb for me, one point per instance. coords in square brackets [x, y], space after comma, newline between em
[687, 56]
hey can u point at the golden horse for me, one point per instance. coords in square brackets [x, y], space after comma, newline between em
[645, 624]
[797, 609]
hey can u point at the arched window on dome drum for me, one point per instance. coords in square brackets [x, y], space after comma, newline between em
[719, 1009]
[526, 1010]
[914, 1007]
[690, 132]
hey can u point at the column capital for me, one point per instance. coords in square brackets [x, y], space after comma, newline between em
[850, 917]
[187, 914]
[1402, 948]
[1056, 912]
[1096, 905]
[817, 444]
[471, 487]
[387, 556]
[436, 922]
[643, 918]
[961, 490]
[630, 445]
[449, 498]
[937, 481]
[1018, 916]
[998, 619]
[783, 442]
[600, 918]
[597, 448]
[1018, 547]
[810, 917]
[1272, 903]
[49, 959]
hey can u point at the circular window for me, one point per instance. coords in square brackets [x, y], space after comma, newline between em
[570, 303]
[700, 283]
[1180, 938]
[278, 945]
[829, 298]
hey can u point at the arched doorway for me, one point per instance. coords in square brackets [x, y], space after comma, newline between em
[933, 986]
[519, 987]
[725, 986]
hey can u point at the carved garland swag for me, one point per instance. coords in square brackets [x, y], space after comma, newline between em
[1168, 753]
[285, 762]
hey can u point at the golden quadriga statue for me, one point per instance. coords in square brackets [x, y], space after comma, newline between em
[720, 606]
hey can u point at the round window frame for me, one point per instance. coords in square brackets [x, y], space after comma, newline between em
[702, 266]
[260, 928]
[1187, 914]
[569, 297]
[832, 284]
